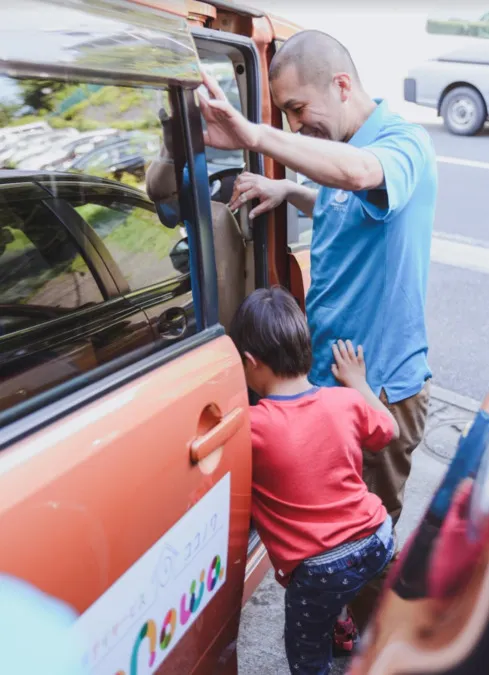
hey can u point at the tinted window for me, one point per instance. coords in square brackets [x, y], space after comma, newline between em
[56, 278]
[221, 67]
[136, 239]
[108, 131]
[40, 267]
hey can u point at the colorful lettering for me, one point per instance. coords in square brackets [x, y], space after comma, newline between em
[149, 631]
[215, 573]
[194, 601]
[168, 628]
[187, 608]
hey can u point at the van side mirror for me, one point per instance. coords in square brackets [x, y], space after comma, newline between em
[180, 256]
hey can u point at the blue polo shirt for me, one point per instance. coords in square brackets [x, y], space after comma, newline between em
[370, 255]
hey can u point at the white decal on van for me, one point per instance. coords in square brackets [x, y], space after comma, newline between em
[133, 627]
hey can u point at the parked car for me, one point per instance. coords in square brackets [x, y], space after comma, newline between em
[63, 153]
[13, 143]
[131, 154]
[31, 147]
[10, 133]
[456, 84]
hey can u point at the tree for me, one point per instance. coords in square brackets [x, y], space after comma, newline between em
[40, 94]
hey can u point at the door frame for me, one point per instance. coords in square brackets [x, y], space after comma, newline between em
[250, 54]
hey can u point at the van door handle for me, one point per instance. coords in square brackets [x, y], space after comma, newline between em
[202, 446]
[172, 324]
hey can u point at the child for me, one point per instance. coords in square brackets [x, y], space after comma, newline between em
[326, 535]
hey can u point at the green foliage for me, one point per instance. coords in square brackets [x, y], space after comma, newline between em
[41, 94]
[6, 112]
[109, 106]
[478, 29]
[137, 231]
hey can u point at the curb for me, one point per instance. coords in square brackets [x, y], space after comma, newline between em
[457, 400]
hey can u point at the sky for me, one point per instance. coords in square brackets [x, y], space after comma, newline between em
[385, 39]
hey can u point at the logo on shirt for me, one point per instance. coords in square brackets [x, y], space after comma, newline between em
[341, 196]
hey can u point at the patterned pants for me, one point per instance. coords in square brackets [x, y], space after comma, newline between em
[318, 590]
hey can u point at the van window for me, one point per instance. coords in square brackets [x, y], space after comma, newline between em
[221, 67]
[136, 239]
[42, 274]
[88, 271]
[102, 130]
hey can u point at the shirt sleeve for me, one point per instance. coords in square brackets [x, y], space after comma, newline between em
[403, 153]
[377, 428]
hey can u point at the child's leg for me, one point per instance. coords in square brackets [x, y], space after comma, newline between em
[309, 622]
[316, 595]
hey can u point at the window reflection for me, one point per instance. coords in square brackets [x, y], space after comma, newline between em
[107, 131]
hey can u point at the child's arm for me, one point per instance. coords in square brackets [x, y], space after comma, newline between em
[349, 369]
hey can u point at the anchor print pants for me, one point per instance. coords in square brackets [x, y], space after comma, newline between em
[320, 587]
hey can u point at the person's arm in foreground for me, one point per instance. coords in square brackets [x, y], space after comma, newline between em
[336, 165]
[349, 369]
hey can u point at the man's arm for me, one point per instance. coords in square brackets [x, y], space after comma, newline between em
[335, 165]
[328, 163]
[270, 193]
[303, 198]
[161, 183]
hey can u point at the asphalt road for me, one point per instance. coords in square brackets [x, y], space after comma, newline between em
[457, 311]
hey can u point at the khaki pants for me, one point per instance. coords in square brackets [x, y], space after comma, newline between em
[385, 474]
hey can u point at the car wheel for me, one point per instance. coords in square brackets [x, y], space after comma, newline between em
[464, 111]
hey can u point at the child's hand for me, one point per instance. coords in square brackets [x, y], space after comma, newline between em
[349, 367]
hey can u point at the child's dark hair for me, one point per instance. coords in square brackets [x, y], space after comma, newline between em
[270, 325]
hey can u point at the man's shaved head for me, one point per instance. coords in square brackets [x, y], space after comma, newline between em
[316, 56]
[314, 81]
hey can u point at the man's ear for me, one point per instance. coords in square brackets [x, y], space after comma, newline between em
[344, 83]
[251, 359]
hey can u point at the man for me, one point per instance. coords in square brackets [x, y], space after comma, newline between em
[373, 221]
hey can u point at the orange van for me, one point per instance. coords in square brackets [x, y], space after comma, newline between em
[125, 463]
[125, 471]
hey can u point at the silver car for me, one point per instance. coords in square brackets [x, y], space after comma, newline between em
[457, 85]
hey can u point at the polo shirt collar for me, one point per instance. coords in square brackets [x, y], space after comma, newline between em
[370, 129]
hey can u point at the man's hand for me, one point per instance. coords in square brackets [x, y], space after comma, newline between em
[227, 129]
[349, 367]
[270, 193]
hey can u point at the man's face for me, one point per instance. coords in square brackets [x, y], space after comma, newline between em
[312, 110]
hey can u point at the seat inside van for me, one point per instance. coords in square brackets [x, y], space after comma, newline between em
[232, 253]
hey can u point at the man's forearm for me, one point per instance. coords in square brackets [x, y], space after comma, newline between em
[301, 197]
[161, 181]
[336, 165]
